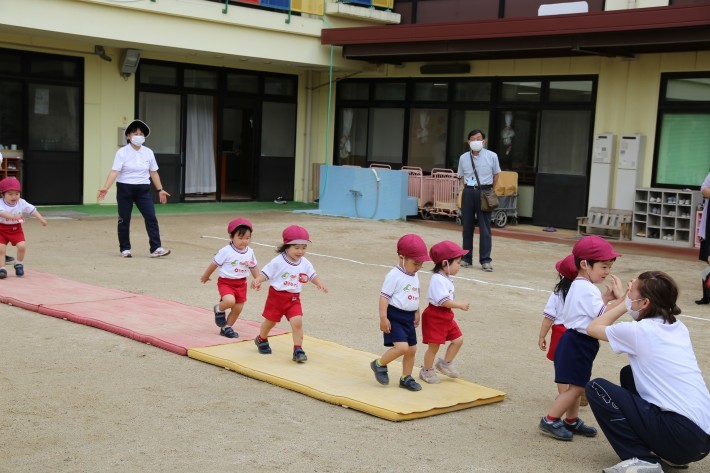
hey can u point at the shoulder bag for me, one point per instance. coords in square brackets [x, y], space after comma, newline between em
[489, 198]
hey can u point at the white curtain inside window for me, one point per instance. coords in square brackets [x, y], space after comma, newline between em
[199, 149]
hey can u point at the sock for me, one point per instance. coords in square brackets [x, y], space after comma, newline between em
[572, 420]
[258, 337]
[19, 261]
[549, 418]
[296, 347]
[3, 267]
[403, 377]
[377, 362]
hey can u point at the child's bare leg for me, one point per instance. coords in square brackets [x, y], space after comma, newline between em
[399, 349]
[21, 248]
[567, 401]
[453, 349]
[562, 388]
[408, 360]
[226, 302]
[297, 329]
[430, 355]
[234, 313]
[266, 326]
[3, 250]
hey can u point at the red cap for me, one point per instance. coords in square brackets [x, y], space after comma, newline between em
[295, 235]
[10, 184]
[412, 246]
[594, 248]
[567, 268]
[237, 222]
[445, 250]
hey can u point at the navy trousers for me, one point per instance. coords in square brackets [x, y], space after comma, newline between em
[637, 428]
[139, 194]
[471, 210]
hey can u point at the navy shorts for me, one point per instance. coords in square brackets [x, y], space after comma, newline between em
[401, 327]
[574, 358]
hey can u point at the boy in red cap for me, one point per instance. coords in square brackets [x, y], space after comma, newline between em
[235, 261]
[399, 311]
[12, 207]
[287, 273]
[438, 324]
[576, 350]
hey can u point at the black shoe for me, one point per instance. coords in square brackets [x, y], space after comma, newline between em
[555, 429]
[409, 384]
[263, 347]
[3, 273]
[703, 301]
[299, 356]
[19, 270]
[228, 332]
[380, 372]
[220, 318]
[578, 427]
[9, 259]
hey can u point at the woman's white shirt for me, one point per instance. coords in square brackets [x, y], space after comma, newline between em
[665, 369]
[133, 166]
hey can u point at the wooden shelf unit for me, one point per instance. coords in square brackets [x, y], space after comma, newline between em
[665, 216]
[11, 164]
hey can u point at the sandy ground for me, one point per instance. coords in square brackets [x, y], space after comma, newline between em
[75, 398]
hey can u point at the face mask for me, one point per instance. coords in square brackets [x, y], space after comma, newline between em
[476, 145]
[635, 314]
[137, 140]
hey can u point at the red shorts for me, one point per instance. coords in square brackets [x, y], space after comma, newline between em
[233, 287]
[439, 326]
[11, 234]
[557, 331]
[280, 303]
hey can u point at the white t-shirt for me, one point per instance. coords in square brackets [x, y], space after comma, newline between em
[401, 289]
[665, 369]
[134, 166]
[584, 303]
[441, 289]
[22, 206]
[553, 308]
[234, 264]
[285, 275]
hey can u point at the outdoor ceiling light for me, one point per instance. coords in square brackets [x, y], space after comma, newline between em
[129, 62]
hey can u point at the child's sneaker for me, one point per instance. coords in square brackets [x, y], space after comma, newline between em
[409, 384]
[9, 259]
[555, 429]
[19, 270]
[446, 368]
[160, 251]
[228, 332]
[299, 356]
[429, 375]
[263, 347]
[579, 428]
[220, 318]
[380, 372]
[3, 273]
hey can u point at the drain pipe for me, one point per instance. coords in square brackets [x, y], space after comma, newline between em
[307, 195]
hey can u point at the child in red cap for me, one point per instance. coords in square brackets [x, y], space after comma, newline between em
[235, 261]
[286, 274]
[576, 350]
[11, 209]
[399, 311]
[438, 324]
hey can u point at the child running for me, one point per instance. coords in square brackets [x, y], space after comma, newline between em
[235, 261]
[287, 273]
[552, 316]
[438, 324]
[399, 311]
[12, 207]
[576, 350]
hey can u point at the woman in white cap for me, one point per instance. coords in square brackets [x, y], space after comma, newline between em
[133, 169]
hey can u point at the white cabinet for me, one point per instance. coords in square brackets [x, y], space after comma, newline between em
[665, 216]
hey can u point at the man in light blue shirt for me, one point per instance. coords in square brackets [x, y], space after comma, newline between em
[487, 167]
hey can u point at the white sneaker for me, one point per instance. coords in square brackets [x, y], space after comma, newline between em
[446, 368]
[126, 253]
[634, 465]
[160, 252]
[429, 375]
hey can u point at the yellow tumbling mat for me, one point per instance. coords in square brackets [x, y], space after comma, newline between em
[341, 375]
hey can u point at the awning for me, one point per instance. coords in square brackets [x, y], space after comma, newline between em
[610, 33]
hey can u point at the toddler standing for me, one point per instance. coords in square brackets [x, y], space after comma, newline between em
[438, 324]
[235, 261]
[12, 207]
[576, 350]
[399, 311]
[286, 274]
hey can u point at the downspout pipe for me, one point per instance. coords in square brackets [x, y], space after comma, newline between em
[307, 195]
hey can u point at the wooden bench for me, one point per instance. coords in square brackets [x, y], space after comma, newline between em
[610, 223]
